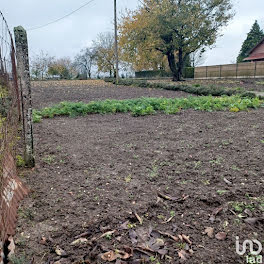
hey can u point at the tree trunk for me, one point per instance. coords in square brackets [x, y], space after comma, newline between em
[180, 65]
[172, 65]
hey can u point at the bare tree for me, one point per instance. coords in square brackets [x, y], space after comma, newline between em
[105, 53]
[197, 57]
[85, 60]
[40, 64]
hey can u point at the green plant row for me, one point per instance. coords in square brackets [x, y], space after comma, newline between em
[196, 89]
[147, 106]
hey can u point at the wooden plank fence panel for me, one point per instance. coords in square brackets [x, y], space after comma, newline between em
[239, 70]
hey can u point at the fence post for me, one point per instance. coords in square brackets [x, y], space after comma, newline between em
[24, 76]
[255, 71]
[236, 70]
[206, 71]
[220, 71]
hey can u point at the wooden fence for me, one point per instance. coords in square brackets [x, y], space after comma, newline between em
[239, 70]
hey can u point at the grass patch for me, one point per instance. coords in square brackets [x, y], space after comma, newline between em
[147, 106]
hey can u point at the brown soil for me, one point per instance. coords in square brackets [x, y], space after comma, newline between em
[179, 174]
[53, 92]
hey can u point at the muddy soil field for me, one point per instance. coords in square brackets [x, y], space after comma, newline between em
[153, 189]
[48, 93]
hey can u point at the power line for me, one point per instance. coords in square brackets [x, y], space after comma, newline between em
[59, 19]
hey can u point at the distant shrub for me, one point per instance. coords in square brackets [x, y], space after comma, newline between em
[108, 79]
[248, 94]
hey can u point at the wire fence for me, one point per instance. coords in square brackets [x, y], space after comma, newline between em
[11, 188]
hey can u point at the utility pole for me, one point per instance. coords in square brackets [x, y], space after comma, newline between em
[116, 44]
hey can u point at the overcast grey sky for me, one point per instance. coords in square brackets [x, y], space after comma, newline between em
[68, 36]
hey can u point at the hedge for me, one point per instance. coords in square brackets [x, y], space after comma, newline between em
[193, 89]
[187, 73]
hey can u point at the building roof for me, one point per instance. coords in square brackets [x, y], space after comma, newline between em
[256, 56]
[256, 46]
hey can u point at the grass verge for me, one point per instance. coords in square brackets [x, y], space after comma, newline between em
[147, 106]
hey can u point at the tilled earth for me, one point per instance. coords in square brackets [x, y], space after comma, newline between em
[154, 189]
[48, 93]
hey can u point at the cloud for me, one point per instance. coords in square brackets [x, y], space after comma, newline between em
[68, 36]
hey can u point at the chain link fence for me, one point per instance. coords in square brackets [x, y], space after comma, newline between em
[12, 189]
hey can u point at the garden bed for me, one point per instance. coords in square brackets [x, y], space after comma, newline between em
[149, 189]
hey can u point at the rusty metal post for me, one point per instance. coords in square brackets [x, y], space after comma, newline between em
[24, 76]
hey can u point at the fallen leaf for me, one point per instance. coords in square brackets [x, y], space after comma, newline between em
[133, 236]
[186, 238]
[60, 252]
[43, 241]
[248, 212]
[170, 198]
[119, 238]
[167, 197]
[124, 226]
[88, 233]
[227, 181]
[11, 246]
[175, 227]
[169, 235]
[215, 213]
[183, 254]
[139, 249]
[109, 233]
[167, 221]
[118, 254]
[209, 231]
[253, 220]
[162, 252]
[221, 236]
[79, 241]
[109, 256]
[139, 218]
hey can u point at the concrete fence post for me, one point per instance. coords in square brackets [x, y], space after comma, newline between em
[24, 76]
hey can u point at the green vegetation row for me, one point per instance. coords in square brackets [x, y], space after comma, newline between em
[147, 106]
[196, 89]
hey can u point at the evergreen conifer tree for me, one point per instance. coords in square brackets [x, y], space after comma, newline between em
[254, 36]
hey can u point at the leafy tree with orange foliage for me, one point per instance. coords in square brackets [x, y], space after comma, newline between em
[172, 28]
[63, 68]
